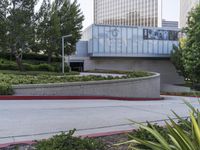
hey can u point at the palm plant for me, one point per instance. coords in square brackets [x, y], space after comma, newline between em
[184, 135]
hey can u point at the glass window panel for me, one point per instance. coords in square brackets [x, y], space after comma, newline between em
[118, 36]
[113, 40]
[170, 47]
[140, 41]
[107, 40]
[101, 39]
[124, 41]
[160, 47]
[156, 47]
[95, 40]
[90, 46]
[165, 47]
[150, 51]
[129, 41]
[135, 41]
[145, 46]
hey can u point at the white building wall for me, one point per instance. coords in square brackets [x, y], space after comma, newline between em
[185, 8]
[159, 13]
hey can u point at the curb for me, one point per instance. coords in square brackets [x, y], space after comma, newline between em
[77, 98]
[192, 96]
[103, 134]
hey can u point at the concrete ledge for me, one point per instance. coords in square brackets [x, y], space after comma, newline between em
[65, 98]
[145, 87]
[174, 88]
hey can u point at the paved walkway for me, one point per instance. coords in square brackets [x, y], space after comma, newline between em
[30, 120]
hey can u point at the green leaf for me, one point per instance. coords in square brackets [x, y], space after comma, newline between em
[196, 128]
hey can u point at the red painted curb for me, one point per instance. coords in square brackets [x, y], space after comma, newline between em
[107, 134]
[77, 98]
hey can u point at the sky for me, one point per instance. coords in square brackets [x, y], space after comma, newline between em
[170, 10]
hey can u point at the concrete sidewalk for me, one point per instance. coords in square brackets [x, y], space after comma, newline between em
[33, 120]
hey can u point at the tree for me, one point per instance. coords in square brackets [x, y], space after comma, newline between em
[22, 29]
[71, 23]
[43, 25]
[49, 28]
[177, 57]
[188, 56]
[61, 18]
[3, 22]
[191, 51]
[55, 33]
[21, 32]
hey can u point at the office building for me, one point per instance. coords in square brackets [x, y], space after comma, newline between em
[128, 35]
[185, 7]
[108, 47]
[146, 13]
[170, 24]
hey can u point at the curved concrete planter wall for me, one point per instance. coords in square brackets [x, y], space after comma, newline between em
[146, 87]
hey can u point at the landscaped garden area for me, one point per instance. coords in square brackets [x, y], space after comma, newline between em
[9, 78]
[30, 53]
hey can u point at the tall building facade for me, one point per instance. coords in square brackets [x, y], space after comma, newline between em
[185, 7]
[170, 24]
[128, 12]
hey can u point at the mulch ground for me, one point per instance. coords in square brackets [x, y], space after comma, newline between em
[115, 139]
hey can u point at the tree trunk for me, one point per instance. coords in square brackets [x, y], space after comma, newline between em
[18, 59]
[19, 63]
[49, 56]
[11, 54]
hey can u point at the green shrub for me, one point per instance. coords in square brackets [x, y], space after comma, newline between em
[31, 56]
[32, 66]
[58, 67]
[45, 67]
[42, 78]
[6, 89]
[29, 67]
[69, 142]
[8, 65]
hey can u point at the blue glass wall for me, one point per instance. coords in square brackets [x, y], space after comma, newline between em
[131, 41]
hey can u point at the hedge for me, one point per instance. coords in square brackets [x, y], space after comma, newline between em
[11, 65]
[31, 56]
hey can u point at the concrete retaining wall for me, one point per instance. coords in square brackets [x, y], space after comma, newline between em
[163, 66]
[146, 87]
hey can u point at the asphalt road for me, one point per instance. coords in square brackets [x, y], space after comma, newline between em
[31, 120]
